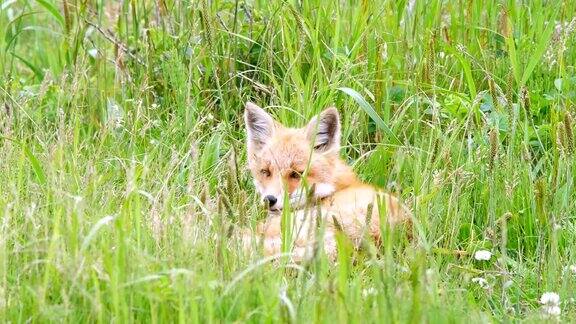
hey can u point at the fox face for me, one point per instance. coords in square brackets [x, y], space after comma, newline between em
[293, 163]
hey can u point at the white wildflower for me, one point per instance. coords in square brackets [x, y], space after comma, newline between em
[552, 310]
[550, 298]
[482, 255]
[481, 282]
[369, 292]
[93, 52]
[550, 303]
[572, 269]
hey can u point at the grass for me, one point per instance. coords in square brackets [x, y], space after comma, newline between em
[122, 164]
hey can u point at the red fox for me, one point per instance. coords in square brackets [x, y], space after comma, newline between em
[302, 167]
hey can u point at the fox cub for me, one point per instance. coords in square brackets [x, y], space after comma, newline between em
[301, 168]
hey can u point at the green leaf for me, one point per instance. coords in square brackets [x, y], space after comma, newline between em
[37, 71]
[40, 175]
[53, 11]
[370, 111]
[467, 73]
[537, 54]
[513, 58]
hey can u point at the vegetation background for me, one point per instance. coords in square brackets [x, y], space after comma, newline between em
[122, 164]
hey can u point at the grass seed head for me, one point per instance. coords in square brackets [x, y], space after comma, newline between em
[569, 131]
[561, 138]
[525, 99]
[494, 145]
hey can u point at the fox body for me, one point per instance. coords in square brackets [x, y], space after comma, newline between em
[303, 166]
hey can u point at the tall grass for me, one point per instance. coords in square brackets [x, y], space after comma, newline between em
[122, 165]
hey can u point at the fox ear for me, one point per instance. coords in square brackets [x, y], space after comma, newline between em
[324, 131]
[259, 126]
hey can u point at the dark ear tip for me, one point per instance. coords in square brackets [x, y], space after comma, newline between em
[250, 109]
[331, 111]
[250, 106]
[331, 114]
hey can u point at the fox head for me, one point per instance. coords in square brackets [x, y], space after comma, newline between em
[286, 161]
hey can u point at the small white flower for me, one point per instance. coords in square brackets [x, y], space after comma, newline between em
[550, 299]
[429, 274]
[481, 282]
[552, 310]
[369, 292]
[93, 52]
[572, 269]
[482, 255]
[550, 303]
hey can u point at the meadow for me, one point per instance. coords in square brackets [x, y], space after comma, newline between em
[123, 169]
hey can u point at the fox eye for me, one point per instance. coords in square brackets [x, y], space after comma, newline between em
[295, 175]
[265, 172]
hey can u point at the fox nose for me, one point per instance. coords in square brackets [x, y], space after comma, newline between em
[270, 200]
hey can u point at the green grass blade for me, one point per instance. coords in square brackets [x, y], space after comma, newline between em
[510, 42]
[37, 71]
[371, 112]
[51, 8]
[538, 53]
[38, 171]
[466, 68]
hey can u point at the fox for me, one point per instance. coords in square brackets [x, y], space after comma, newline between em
[301, 168]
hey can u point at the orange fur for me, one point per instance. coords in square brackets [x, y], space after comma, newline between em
[286, 161]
